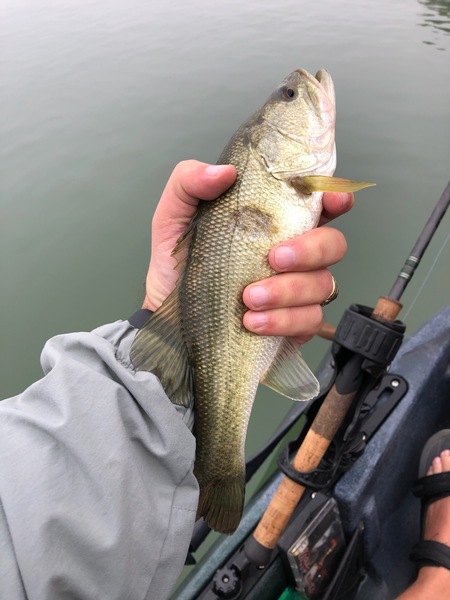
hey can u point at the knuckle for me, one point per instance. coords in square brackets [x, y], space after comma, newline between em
[316, 317]
[180, 167]
[288, 290]
[325, 246]
[325, 282]
[305, 321]
[184, 166]
[276, 290]
[342, 242]
[293, 294]
[316, 249]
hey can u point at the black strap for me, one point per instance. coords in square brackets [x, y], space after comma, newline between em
[433, 487]
[319, 479]
[434, 554]
[375, 340]
[140, 317]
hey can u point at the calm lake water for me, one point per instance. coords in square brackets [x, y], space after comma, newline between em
[99, 101]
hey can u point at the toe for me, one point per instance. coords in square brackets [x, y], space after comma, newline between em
[445, 460]
[436, 466]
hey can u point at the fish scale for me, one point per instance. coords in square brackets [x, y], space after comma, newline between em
[227, 388]
[285, 156]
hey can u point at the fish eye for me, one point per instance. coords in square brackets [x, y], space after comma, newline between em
[288, 93]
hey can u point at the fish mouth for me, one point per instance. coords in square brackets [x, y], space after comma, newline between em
[322, 80]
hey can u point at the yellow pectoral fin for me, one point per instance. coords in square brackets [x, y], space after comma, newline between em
[321, 183]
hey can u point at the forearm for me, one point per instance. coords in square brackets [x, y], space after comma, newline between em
[96, 476]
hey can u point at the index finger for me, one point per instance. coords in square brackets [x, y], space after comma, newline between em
[335, 204]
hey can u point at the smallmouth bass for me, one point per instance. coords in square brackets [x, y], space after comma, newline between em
[195, 343]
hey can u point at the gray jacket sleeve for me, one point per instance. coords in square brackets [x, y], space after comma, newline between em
[97, 491]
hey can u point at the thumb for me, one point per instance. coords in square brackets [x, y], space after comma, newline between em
[190, 182]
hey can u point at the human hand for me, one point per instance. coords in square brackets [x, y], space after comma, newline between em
[292, 297]
[190, 182]
[289, 303]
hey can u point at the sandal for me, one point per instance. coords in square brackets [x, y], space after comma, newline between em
[429, 489]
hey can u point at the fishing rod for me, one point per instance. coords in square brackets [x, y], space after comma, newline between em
[415, 256]
[412, 262]
[336, 405]
[388, 308]
[326, 415]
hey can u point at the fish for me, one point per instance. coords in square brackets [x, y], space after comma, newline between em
[195, 343]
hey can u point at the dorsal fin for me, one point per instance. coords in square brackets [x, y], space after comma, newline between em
[159, 347]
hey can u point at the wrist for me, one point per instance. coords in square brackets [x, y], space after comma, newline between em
[140, 317]
[152, 300]
[148, 304]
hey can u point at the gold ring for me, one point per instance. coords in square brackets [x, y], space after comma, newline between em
[334, 293]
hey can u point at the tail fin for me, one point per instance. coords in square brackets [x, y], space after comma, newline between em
[222, 503]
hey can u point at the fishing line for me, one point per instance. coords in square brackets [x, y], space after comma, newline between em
[427, 276]
[416, 254]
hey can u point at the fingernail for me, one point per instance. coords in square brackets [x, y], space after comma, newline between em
[257, 320]
[258, 295]
[346, 201]
[284, 257]
[213, 170]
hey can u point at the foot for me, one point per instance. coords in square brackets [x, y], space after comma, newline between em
[434, 582]
[437, 521]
